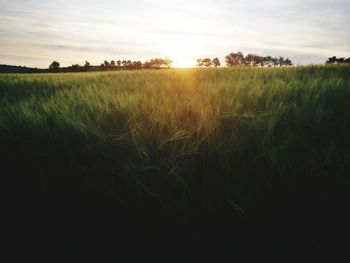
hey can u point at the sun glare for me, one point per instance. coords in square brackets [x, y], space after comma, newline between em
[180, 54]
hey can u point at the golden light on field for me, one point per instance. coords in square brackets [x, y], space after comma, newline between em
[180, 54]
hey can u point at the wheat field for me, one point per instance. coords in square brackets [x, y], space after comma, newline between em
[187, 163]
[181, 138]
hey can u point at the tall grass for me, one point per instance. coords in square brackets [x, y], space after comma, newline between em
[184, 140]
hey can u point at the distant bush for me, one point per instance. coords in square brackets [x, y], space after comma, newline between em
[335, 60]
[54, 66]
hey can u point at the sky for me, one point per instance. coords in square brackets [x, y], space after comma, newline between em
[36, 32]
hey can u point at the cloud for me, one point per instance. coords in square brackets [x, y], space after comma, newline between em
[308, 30]
[93, 49]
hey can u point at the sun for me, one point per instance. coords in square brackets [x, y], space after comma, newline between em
[180, 54]
[182, 62]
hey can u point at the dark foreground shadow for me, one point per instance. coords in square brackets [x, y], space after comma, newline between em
[89, 225]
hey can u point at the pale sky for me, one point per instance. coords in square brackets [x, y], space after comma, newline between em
[36, 32]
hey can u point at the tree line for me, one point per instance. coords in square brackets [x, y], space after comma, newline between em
[232, 59]
[208, 63]
[238, 59]
[253, 60]
[113, 65]
[334, 60]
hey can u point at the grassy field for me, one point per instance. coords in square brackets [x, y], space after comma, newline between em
[183, 142]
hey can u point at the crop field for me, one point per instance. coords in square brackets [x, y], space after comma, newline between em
[182, 144]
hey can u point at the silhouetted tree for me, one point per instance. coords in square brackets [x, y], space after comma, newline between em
[199, 63]
[216, 62]
[335, 60]
[331, 60]
[340, 60]
[75, 68]
[148, 64]
[288, 62]
[233, 59]
[259, 61]
[54, 65]
[280, 61]
[125, 63]
[253, 60]
[158, 63]
[267, 61]
[206, 62]
[119, 63]
[137, 64]
[87, 65]
[274, 62]
[250, 60]
[167, 62]
[113, 64]
[107, 65]
[129, 64]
